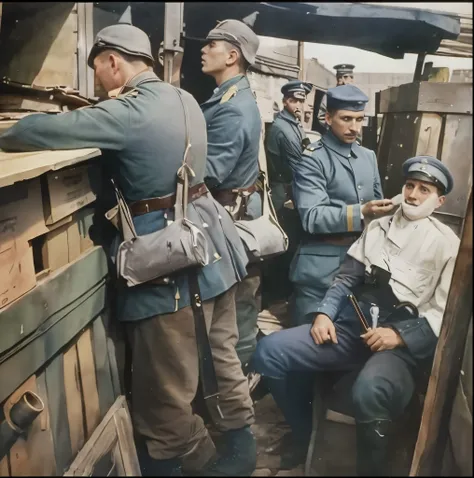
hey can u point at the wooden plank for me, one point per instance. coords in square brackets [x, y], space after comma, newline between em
[102, 440]
[55, 249]
[5, 466]
[54, 374]
[88, 381]
[123, 424]
[16, 167]
[43, 59]
[398, 142]
[68, 191]
[35, 352]
[33, 455]
[102, 367]
[428, 138]
[457, 144]
[452, 98]
[72, 387]
[17, 272]
[21, 212]
[52, 295]
[433, 434]
[85, 219]
[73, 241]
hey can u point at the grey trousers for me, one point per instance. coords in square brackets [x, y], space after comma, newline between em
[165, 381]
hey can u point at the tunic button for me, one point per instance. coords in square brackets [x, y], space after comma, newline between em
[361, 201]
[359, 187]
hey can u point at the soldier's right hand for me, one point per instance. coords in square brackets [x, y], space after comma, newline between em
[323, 330]
[377, 208]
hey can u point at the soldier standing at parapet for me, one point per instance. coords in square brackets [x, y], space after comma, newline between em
[284, 148]
[336, 189]
[142, 136]
[233, 135]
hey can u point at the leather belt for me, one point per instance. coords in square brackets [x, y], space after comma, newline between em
[333, 239]
[155, 204]
[227, 197]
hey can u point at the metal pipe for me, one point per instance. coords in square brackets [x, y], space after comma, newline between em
[21, 416]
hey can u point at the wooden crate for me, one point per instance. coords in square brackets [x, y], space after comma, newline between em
[67, 358]
[66, 191]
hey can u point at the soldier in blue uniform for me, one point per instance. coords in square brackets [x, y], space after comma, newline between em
[401, 265]
[336, 189]
[344, 74]
[233, 136]
[285, 142]
[141, 133]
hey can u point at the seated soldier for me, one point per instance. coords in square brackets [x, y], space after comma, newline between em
[403, 264]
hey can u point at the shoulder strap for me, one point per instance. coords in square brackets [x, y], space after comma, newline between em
[185, 170]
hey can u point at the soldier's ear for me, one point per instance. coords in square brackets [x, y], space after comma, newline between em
[233, 57]
[441, 200]
[328, 118]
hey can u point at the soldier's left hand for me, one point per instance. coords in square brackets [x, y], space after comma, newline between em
[382, 338]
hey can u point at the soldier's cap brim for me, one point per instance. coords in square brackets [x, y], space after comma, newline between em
[427, 178]
[100, 46]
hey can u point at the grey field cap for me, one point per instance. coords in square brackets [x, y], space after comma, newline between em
[121, 37]
[239, 34]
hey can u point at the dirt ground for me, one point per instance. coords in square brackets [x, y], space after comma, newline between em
[269, 428]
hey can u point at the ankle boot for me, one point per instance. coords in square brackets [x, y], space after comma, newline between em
[151, 467]
[372, 448]
[239, 457]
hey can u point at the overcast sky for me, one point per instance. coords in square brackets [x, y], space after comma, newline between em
[367, 62]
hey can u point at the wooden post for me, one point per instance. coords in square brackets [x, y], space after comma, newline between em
[301, 60]
[419, 67]
[172, 51]
[434, 429]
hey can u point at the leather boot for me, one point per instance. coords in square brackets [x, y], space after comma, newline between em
[297, 413]
[239, 457]
[373, 447]
[151, 467]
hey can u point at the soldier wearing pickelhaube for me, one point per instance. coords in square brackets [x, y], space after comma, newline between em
[142, 135]
[284, 145]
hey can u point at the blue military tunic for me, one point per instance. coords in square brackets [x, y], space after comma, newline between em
[330, 184]
[233, 135]
[284, 147]
[142, 136]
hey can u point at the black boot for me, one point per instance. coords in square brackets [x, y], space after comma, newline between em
[294, 402]
[372, 448]
[239, 457]
[151, 467]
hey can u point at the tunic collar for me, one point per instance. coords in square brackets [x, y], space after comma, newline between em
[336, 145]
[284, 114]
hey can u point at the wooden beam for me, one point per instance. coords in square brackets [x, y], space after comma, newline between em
[434, 429]
[419, 67]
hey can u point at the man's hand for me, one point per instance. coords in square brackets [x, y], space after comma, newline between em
[382, 338]
[377, 208]
[323, 330]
